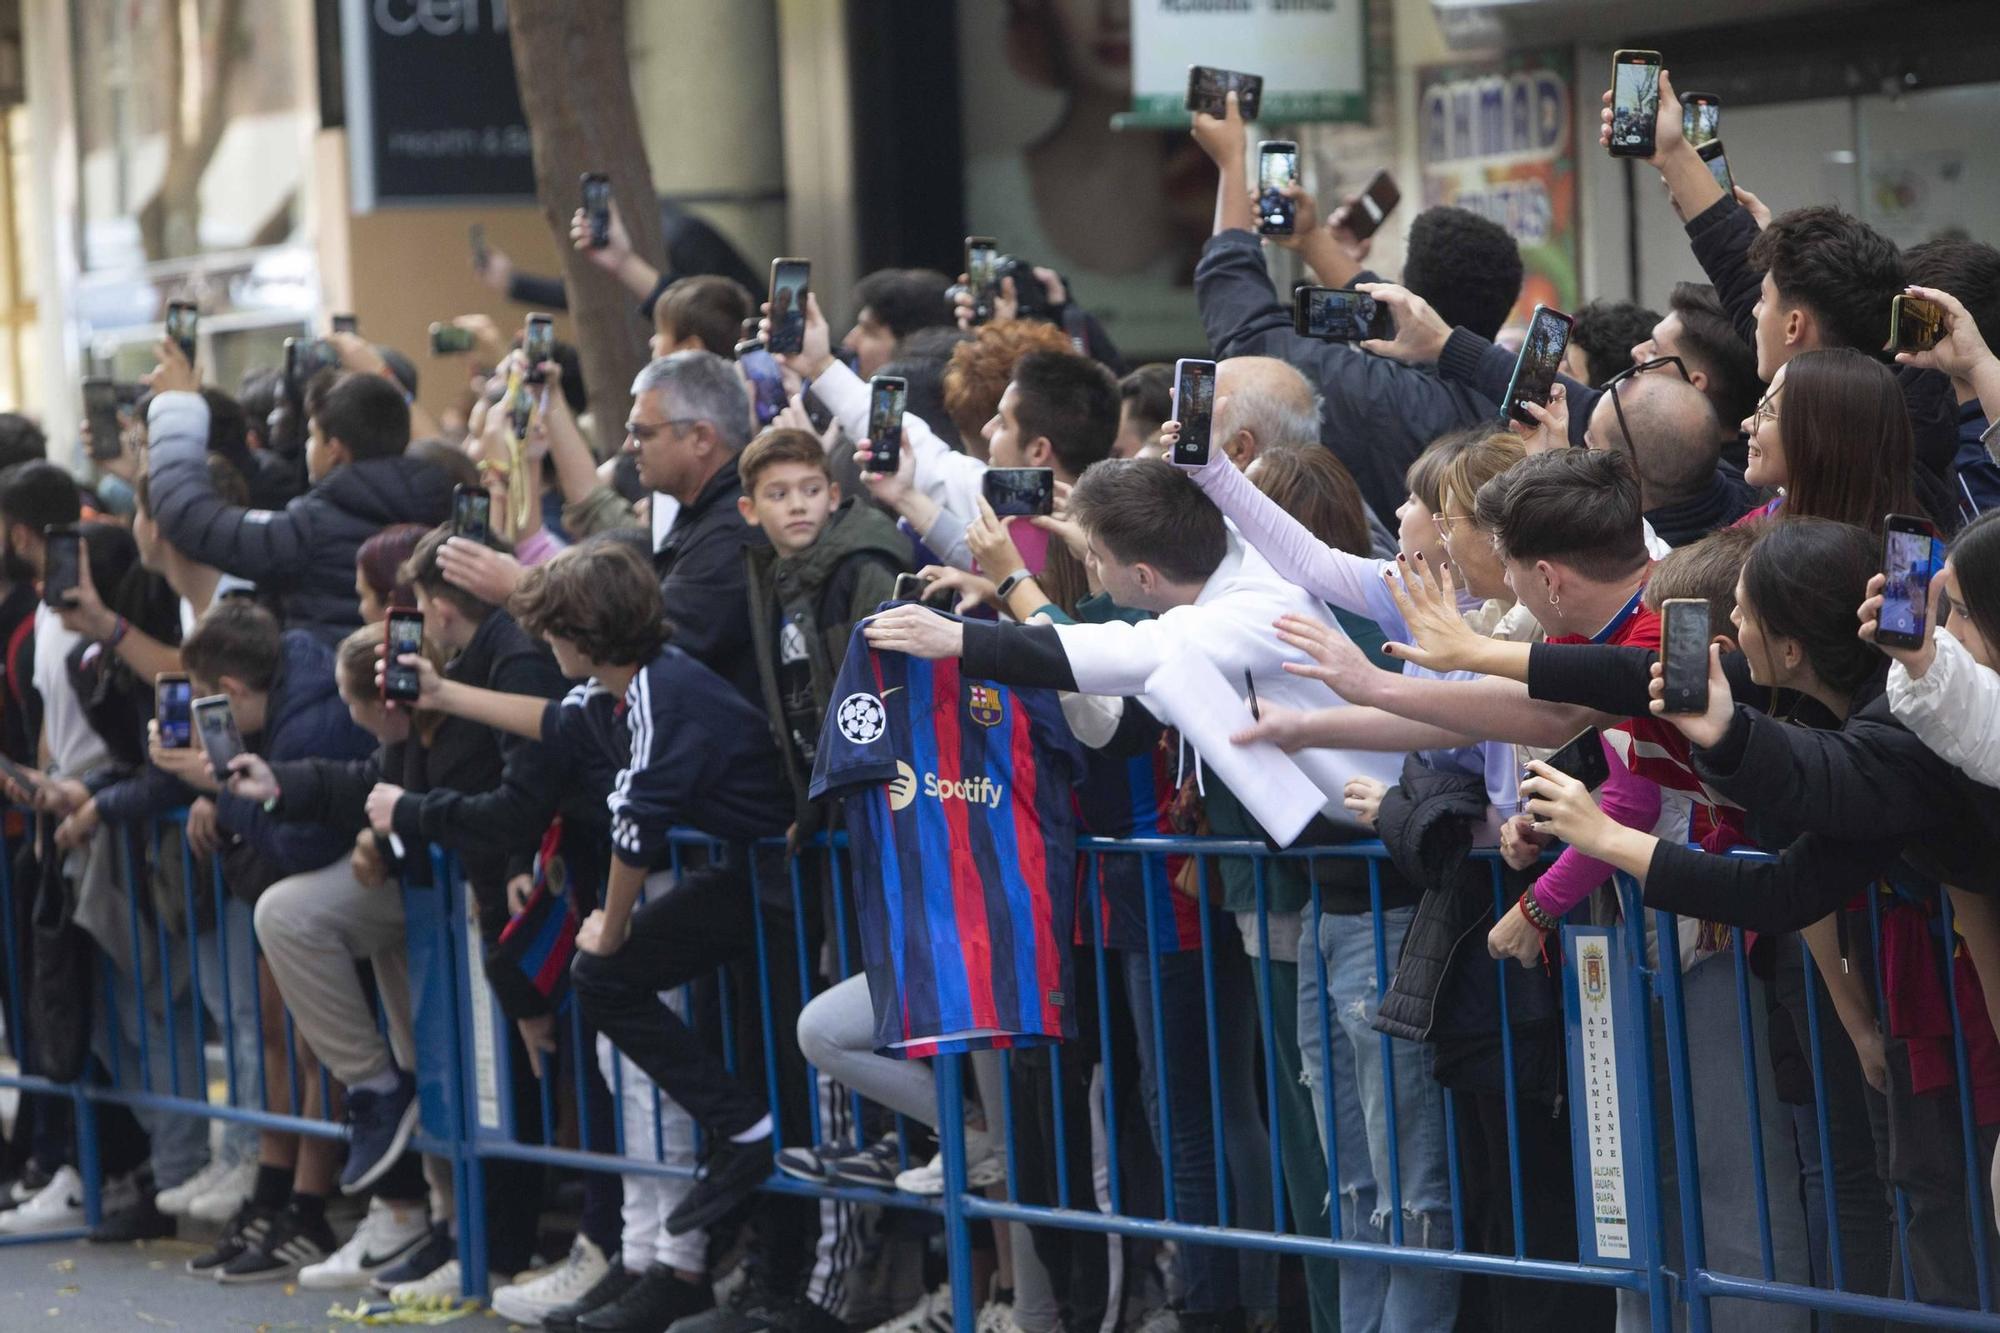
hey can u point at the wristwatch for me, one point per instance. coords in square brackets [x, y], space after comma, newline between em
[1011, 582]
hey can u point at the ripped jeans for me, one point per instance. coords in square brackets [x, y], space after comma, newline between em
[1375, 1296]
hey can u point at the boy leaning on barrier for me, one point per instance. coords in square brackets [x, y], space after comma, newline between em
[690, 751]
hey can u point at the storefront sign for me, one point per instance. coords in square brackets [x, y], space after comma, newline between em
[432, 111]
[1498, 137]
[1312, 54]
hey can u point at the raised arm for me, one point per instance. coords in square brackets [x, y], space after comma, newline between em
[1347, 581]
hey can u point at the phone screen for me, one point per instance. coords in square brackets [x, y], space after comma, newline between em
[1540, 360]
[1209, 89]
[472, 513]
[174, 710]
[406, 636]
[981, 256]
[345, 323]
[1906, 585]
[1718, 165]
[1915, 324]
[1635, 102]
[1019, 491]
[1701, 119]
[888, 397]
[1583, 759]
[789, 280]
[447, 339]
[100, 413]
[1277, 167]
[1194, 407]
[909, 588]
[1340, 315]
[538, 344]
[183, 321]
[61, 567]
[1684, 655]
[597, 208]
[217, 726]
[767, 381]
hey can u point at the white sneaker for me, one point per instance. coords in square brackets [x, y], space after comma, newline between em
[996, 1316]
[531, 1296]
[174, 1202]
[932, 1314]
[58, 1206]
[386, 1236]
[439, 1290]
[983, 1166]
[219, 1202]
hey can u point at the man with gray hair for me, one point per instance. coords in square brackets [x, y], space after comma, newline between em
[1263, 403]
[1666, 429]
[690, 419]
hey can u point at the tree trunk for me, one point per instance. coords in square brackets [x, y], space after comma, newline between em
[170, 221]
[576, 89]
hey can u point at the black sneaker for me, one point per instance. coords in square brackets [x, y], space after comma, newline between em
[142, 1221]
[800, 1315]
[875, 1166]
[379, 1126]
[437, 1250]
[657, 1299]
[247, 1229]
[615, 1283]
[290, 1245]
[730, 1173]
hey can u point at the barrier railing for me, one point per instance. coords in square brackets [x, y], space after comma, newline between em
[1260, 1125]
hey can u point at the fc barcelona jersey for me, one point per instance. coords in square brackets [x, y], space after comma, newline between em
[962, 828]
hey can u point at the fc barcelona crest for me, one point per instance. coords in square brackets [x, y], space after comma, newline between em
[1593, 972]
[983, 703]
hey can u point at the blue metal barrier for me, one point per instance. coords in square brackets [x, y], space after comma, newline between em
[468, 1115]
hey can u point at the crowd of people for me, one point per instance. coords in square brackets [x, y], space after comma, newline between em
[1374, 612]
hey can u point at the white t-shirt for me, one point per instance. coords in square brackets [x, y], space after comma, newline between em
[74, 746]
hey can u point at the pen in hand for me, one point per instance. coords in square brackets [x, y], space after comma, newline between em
[1256, 713]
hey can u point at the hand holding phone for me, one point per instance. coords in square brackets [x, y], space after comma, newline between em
[1362, 216]
[1019, 492]
[62, 564]
[216, 725]
[403, 634]
[1340, 315]
[1582, 758]
[1684, 655]
[1277, 169]
[1908, 566]
[538, 345]
[1635, 102]
[1209, 89]
[791, 281]
[472, 513]
[173, 710]
[596, 190]
[100, 413]
[888, 399]
[1194, 409]
[1539, 362]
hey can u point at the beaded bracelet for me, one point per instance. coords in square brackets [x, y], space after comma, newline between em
[1537, 917]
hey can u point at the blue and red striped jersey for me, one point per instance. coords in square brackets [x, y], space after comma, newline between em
[1133, 797]
[962, 828]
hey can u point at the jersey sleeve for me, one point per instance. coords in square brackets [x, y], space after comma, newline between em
[855, 743]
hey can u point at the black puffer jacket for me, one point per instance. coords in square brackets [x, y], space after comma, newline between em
[1446, 990]
[304, 552]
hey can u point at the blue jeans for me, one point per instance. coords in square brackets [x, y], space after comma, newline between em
[230, 996]
[1375, 1296]
[1215, 1278]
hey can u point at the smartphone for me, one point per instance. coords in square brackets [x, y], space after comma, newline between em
[819, 413]
[471, 513]
[21, 776]
[449, 340]
[909, 588]
[1907, 569]
[1635, 102]
[345, 323]
[1583, 758]
[1277, 167]
[475, 240]
[1701, 118]
[62, 565]
[981, 280]
[183, 321]
[1020, 491]
[1209, 88]
[305, 358]
[767, 381]
[1915, 324]
[538, 344]
[888, 397]
[173, 709]
[1363, 214]
[1718, 165]
[1194, 408]
[1684, 654]
[1535, 368]
[596, 188]
[1340, 314]
[217, 727]
[404, 634]
[790, 281]
[100, 413]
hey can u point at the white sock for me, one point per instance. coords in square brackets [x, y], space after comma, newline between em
[383, 1082]
[760, 1130]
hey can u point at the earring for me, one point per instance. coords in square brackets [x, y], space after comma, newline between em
[1555, 599]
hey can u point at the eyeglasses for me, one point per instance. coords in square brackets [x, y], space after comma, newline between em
[1444, 521]
[1767, 410]
[642, 432]
[1639, 368]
